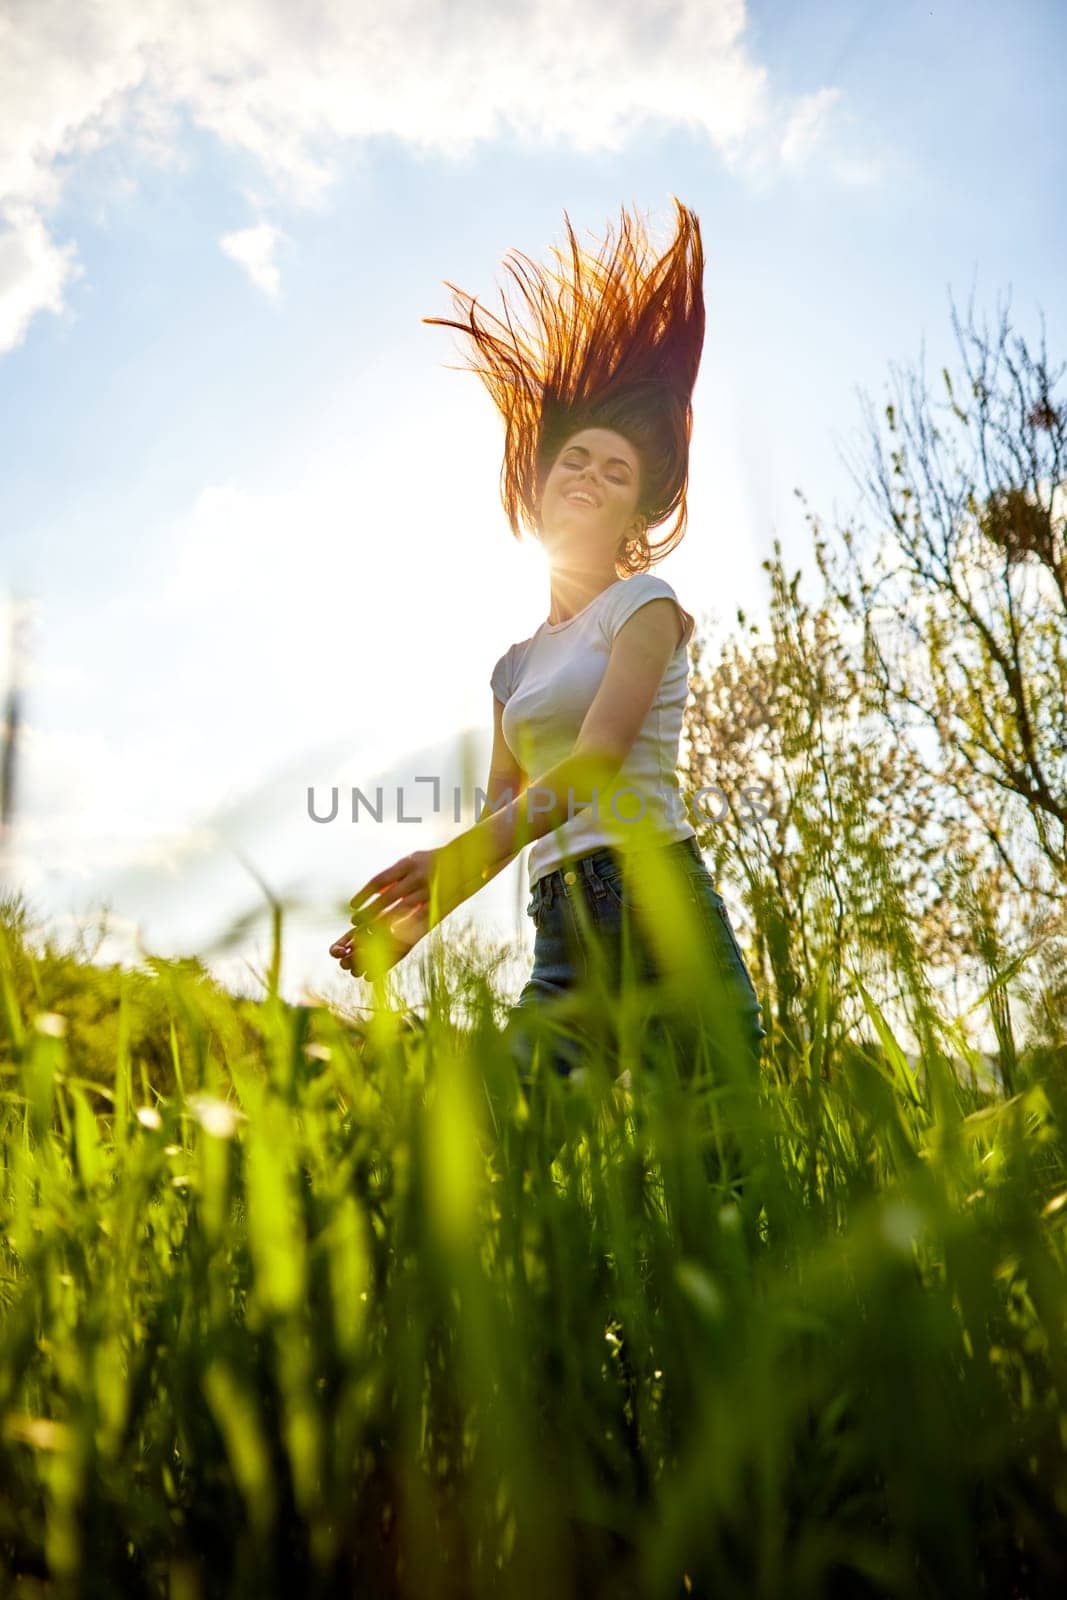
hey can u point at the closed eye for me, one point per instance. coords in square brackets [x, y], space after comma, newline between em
[615, 479]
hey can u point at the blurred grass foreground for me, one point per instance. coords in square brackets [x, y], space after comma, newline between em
[300, 1304]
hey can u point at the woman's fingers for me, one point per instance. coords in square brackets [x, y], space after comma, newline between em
[406, 883]
[385, 880]
[345, 952]
[353, 948]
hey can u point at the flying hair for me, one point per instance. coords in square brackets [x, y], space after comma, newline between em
[615, 342]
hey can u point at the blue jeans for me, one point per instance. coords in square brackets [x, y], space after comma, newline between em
[596, 941]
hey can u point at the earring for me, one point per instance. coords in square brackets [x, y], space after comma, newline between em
[634, 553]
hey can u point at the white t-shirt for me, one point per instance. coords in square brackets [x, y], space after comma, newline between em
[548, 682]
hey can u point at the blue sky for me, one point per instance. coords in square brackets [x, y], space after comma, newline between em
[253, 519]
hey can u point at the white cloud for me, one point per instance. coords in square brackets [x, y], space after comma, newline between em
[253, 249]
[34, 272]
[820, 125]
[807, 126]
[291, 86]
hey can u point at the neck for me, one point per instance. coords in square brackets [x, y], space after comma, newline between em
[572, 588]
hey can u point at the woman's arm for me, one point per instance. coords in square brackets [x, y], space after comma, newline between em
[506, 778]
[506, 783]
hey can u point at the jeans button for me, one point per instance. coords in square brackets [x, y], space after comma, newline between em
[570, 877]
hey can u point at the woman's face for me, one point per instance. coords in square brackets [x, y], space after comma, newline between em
[604, 468]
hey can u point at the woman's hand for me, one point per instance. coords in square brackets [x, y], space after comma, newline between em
[375, 946]
[388, 927]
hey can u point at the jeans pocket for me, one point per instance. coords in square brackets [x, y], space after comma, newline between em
[741, 966]
[716, 919]
[610, 874]
[728, 928]
[535, 909]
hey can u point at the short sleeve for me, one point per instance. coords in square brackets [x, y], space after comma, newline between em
[500, 678]
[636, 592]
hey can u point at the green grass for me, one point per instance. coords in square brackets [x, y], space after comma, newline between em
[292, 1305]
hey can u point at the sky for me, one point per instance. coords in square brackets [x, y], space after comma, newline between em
[251, 537]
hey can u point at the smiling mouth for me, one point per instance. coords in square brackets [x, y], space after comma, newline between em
[575, 500]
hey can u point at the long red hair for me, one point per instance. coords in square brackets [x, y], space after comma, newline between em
[616, 343]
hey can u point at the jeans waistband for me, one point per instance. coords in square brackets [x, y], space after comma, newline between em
[553, 883]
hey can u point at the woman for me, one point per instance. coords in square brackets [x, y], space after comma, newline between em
[588, 710]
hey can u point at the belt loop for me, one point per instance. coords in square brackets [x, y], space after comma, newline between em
[592, 876]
